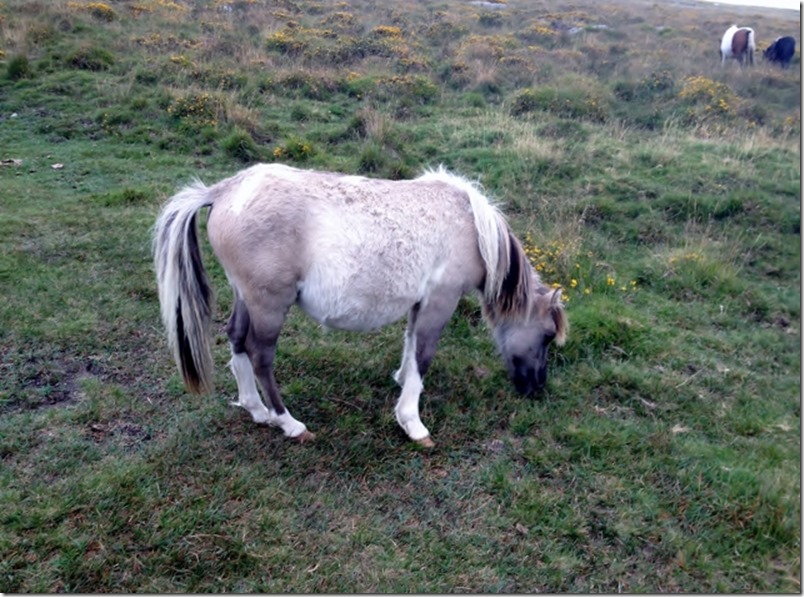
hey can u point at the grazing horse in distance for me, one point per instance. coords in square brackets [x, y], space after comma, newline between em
[738, 43]
[354, 254]
[781, 51]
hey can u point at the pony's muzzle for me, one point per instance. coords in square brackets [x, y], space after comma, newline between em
[527, 379]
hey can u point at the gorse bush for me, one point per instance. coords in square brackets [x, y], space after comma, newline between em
[200, 109]
[294, 149]
[707, 99]
[287, 41]
[577, 274]
[100, 11]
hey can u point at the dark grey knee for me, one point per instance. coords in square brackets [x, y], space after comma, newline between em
[426, 344]
[237, 328]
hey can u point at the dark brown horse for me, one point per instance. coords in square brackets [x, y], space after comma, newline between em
[738, 43]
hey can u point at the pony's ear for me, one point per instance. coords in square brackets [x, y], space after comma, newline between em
[559, 317]
[555, 299]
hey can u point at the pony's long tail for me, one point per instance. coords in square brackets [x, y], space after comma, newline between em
[185, 295]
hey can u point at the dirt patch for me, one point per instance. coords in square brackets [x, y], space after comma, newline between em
[36, 383]
[128, 435]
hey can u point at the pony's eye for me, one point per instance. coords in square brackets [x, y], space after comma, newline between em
[549, 338]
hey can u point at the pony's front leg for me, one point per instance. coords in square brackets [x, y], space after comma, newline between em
[409, 350]
[407, 376]
[407, 408]
[425, 325]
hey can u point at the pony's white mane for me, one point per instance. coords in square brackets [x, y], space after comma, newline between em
[491, 225]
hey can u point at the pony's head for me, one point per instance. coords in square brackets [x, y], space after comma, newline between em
[525, 343]
[526, 316]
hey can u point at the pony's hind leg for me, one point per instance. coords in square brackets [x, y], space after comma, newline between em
[241, 365]
[247, 395]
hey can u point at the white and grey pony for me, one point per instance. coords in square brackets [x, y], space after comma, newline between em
[355, 254]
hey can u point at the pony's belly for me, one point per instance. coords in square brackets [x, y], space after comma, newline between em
[352, 312]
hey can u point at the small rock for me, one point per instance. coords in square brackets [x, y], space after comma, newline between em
[496, 446]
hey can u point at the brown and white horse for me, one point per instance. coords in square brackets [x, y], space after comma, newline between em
[738, 43]
[355, 254]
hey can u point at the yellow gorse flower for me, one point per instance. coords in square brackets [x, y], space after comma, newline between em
[575, 273]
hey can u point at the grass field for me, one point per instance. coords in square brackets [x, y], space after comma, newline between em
[661, 191]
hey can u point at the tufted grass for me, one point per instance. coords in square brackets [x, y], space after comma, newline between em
[659, 190]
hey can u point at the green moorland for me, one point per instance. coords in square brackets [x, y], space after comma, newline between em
[661, 191]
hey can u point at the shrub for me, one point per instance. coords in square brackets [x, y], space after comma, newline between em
[541, 35]
[357, 86]
[475, 100]
[352, 49]
[657, 84]
[300, 113]
[218, 79]
[643, 103]
[90, 58]
[417, 88]
[455, 74]
[305, 84]
[490, 19]
[41, 33]
[707, 99]
[101, 11]
[146, 77]
[201, 108]
[565, 102]
[295, 149]
[19, 68]
[286, 42]
[372, 158]
[341, 19]
[443, 31]
[241, 146]
[386, 31]
[295, 40]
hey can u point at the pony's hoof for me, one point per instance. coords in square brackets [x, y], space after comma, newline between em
[304, 436]
[425, 442]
